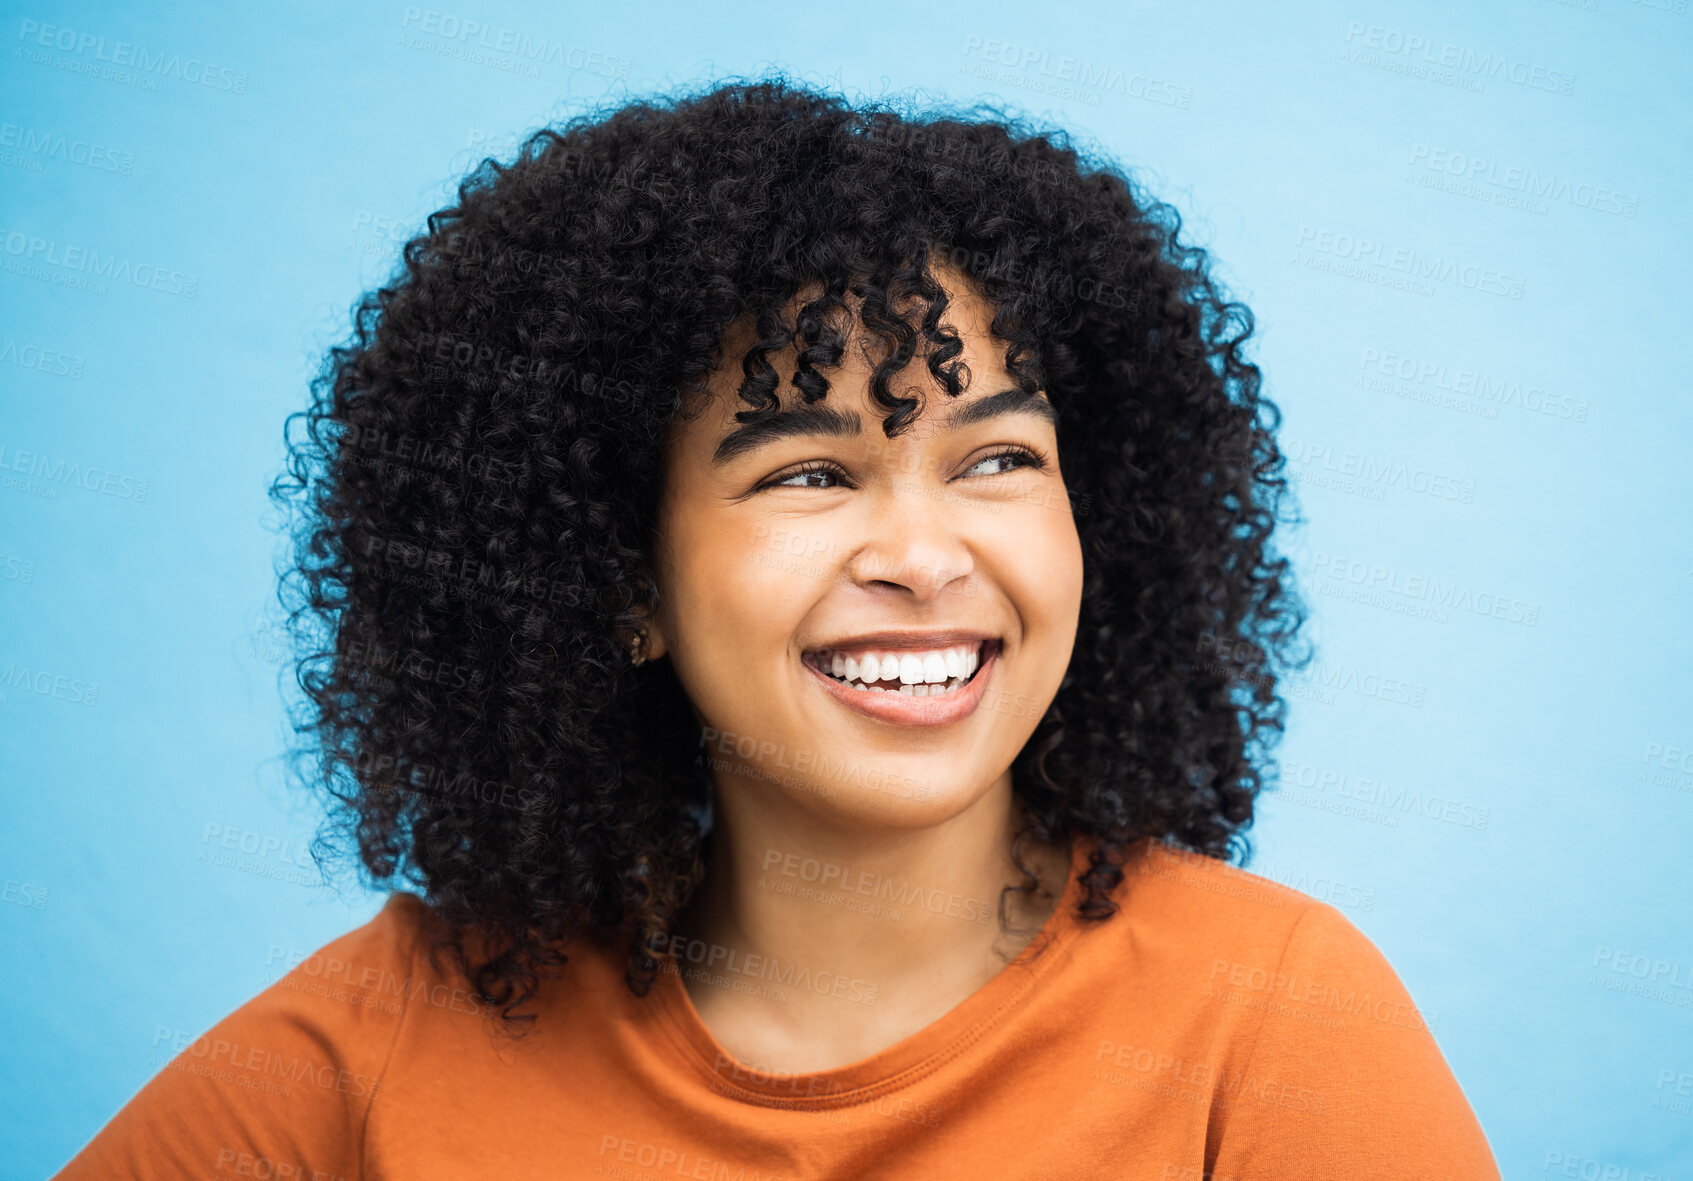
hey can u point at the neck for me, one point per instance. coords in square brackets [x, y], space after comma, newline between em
[904, 922]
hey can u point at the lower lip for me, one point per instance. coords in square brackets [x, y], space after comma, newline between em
[889, 705]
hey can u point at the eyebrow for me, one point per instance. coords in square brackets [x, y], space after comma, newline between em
[816, 420]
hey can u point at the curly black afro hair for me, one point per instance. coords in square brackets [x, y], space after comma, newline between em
[480, 473]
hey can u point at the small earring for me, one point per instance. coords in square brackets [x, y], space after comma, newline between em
[636, 656]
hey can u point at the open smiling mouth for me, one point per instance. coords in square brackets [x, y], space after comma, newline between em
[933, 672]
[938, 685]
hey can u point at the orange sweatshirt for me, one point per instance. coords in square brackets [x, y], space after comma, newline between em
[1220, 1027]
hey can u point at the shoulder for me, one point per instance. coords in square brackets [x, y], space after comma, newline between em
[379, 984]
[1182, 903]
[332, 1013]
[350, 992]
[1318, 1053]
[1254, 944]
[289, 1075]
[387, 944]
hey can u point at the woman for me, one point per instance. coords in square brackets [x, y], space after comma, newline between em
[799, 607]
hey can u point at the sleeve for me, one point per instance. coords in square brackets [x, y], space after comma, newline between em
[1344, 1078]
[282, 1086]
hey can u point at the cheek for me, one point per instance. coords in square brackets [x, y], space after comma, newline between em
[1043, 555]
[740, 591]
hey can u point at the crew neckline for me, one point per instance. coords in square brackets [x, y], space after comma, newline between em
[898, 1065]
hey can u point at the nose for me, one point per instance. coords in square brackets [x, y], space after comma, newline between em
[912, 544]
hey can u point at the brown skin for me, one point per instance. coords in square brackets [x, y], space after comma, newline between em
[925, 531]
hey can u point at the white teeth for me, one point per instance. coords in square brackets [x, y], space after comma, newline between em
[910, 670]
[917, 674]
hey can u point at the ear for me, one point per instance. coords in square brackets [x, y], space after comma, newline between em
[647, 621]
[657, 642]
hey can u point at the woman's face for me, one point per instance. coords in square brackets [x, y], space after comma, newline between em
[941, 569]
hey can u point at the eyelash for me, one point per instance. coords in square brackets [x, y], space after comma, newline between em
[1030, 457]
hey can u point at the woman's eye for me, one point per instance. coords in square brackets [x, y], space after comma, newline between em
[815, 479]
[1016, 456]
[808, 477]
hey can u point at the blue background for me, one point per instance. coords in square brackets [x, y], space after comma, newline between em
[1503, 806]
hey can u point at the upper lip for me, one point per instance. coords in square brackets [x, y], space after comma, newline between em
[885, 641]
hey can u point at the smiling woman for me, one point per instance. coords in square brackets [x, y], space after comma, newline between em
[856, 535]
